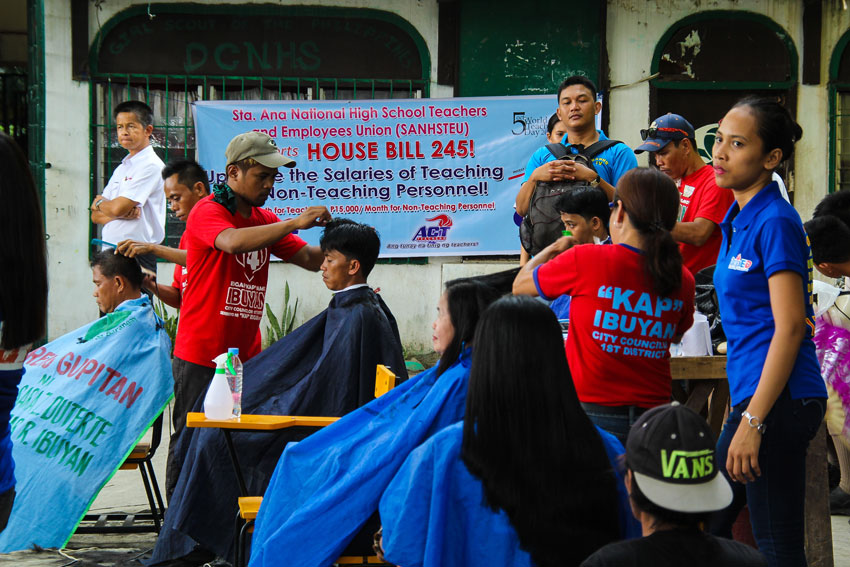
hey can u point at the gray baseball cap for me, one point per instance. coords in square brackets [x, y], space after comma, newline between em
[257, 145]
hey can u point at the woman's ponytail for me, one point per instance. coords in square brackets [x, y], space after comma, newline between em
[652, 202]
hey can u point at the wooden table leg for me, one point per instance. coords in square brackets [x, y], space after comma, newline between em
[700, 392]
[818, 520]
[717, 406]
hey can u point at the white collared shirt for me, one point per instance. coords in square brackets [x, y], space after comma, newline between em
[138, 178]
[355, 286]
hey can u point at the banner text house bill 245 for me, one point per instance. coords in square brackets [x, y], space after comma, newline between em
[435, 177]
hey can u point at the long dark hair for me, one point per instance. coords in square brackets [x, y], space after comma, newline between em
[23, 276]
[774, 124]
[527, 438]
[467, 298]
[652, 202]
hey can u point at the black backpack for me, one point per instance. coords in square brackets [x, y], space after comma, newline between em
[542, 225]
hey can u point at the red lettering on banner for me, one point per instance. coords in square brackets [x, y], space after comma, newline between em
[347, 150]
[47, 360]
[131, 394]
[123, 390]
[115, 390]
[109, 377]
[96, 374]
[87, 368]
[33, 356]
[64, 363]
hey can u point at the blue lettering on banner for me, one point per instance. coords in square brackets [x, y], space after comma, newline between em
[434, 233]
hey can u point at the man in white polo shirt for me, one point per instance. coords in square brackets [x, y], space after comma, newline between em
[132, 205]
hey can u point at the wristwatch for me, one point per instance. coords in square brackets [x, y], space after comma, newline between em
[596, 181]
[753, 421]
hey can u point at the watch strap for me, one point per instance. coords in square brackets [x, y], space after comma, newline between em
[753, 421]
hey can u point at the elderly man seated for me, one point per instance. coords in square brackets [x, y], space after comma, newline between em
[102, 385]
[116, 279]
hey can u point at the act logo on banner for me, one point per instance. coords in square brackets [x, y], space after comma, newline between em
[84, 402]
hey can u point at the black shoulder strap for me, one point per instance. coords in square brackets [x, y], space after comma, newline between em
[557, 150]
[597, 148]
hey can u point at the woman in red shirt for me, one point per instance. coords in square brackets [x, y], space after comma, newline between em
[629, 302]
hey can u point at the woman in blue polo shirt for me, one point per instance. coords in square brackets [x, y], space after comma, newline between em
[764, 281]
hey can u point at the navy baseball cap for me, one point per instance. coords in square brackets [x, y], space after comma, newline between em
[664, 130]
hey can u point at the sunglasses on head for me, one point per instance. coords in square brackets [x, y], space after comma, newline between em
[653, 132]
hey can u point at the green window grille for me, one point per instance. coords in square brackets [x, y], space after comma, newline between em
[171, 96]
[13, 105]
[839, 116]
[842, 141]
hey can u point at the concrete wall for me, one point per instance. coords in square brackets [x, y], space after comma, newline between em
[410, 291]
[633, 29]
[67, 181]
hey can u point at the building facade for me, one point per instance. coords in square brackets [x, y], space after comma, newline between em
[692, 58]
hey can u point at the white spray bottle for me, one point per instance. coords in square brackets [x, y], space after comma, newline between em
[218, 403]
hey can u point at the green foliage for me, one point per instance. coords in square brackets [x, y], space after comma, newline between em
[169, 320]
[280, 327]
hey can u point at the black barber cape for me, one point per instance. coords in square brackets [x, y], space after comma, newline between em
[326, 367]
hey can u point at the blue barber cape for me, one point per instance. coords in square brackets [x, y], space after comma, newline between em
[325, 487]
[84, 402]
[434, 512]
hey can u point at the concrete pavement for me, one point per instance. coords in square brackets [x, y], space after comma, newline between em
[124, 492]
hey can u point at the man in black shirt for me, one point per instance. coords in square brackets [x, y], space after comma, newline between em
[673, 487]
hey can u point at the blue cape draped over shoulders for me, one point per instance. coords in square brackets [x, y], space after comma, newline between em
[434, 512]
[325, 487]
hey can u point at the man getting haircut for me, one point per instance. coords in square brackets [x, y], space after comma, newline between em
[350, 250]
[324, 367]
[116, 279]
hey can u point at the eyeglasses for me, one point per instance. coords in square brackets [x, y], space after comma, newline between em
[653, 132]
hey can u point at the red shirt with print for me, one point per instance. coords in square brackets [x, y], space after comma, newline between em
[223, 301]
[700, 197]
[620, 329]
